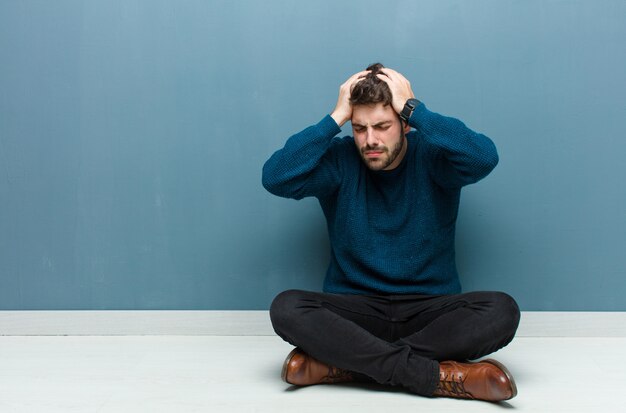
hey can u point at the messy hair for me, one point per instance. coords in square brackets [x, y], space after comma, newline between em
[371, 90]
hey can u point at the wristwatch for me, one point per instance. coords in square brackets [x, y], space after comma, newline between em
[407, 111]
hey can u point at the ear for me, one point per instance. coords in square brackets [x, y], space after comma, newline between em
[407, 128]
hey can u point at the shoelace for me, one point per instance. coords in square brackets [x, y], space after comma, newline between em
[337, 374]
[451, 386]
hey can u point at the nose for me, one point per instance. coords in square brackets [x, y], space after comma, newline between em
[371, 138]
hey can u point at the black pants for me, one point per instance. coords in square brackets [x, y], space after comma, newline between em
[395, 340]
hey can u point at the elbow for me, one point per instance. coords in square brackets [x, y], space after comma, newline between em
[275, 182]
[268, 183]
[491, 159]
[271, 187]
[487, 163]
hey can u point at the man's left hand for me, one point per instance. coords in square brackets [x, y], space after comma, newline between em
[400, 88]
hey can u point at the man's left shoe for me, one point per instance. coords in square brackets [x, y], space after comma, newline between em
[301, 369]
[485, 380]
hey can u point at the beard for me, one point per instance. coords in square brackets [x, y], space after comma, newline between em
[382, 162]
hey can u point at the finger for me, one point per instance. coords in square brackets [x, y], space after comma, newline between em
[390, 73]
[394, 75]
[358, 76]
[391, 80]
[354, 82]
[385, 78]
[361, 73]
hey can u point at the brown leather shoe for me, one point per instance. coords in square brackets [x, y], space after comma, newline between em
[303, 370]
[485, 380]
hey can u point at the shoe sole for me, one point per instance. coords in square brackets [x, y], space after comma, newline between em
[507, 373]
[283, 373]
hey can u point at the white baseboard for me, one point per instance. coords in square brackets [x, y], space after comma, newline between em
[112, 322]
[572, 324]
[257, 323]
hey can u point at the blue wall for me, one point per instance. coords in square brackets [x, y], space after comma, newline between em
[132, 136]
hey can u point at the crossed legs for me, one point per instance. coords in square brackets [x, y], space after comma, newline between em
[395, 340]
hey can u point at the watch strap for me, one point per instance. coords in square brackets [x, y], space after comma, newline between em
[407, 111]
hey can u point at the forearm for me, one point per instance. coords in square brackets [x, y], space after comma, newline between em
[295, 171]
[462, 156]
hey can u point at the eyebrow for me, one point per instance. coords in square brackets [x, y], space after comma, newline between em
[383, 123]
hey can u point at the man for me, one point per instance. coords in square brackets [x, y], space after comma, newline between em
[391, 310]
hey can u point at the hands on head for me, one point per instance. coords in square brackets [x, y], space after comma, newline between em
[399, 86]
[343, 109]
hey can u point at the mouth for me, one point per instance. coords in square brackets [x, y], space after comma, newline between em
[373, 152]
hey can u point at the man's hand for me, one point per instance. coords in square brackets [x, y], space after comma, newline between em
[343, 110]
[400, 88]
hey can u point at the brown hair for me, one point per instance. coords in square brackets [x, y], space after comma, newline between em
[371, 89]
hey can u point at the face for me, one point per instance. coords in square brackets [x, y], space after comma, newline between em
[379, 136]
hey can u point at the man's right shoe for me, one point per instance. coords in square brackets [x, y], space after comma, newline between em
[301, 369]
[485, 380]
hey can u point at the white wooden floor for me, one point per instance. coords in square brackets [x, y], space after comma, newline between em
[242, 374]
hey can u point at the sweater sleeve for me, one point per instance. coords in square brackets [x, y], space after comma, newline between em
[459, 155]
[306, 165]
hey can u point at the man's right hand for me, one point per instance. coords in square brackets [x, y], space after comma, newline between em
[343, 110]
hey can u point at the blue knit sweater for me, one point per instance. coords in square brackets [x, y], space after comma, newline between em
[391, 232]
